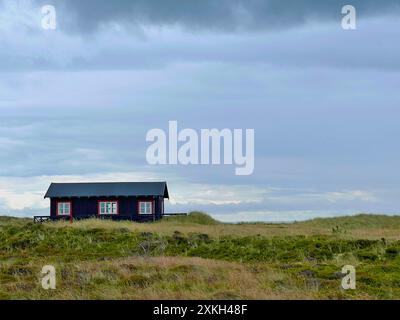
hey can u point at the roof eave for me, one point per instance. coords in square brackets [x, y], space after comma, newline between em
[166, 193]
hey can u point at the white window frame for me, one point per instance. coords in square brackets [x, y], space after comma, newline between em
[108, 207]
[146, 211]
[64, 208]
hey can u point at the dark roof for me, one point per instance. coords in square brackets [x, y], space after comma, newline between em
[107, 189]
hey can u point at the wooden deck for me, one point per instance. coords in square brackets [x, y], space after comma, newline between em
[42, 219]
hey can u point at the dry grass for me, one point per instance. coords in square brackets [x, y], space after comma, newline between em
[97, 259]
[159, 278]
[388, 227]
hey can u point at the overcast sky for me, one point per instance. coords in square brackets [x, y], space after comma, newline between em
[76, 102]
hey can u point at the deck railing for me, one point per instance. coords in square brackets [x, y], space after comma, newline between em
[41, 219]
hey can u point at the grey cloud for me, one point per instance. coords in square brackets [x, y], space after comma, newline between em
[323, 102]
[372, 46]
[223, 15]
[312, 127]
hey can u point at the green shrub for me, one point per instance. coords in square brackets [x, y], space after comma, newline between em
[194, 217]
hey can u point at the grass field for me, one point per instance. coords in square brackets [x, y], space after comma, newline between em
[196, 257]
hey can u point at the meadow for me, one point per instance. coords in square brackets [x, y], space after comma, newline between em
[197, 257]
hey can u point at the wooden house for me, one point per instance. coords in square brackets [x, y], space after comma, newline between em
[136, 201]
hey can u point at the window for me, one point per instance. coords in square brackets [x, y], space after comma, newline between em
[108, 207]
[64, 208]
[145, 207]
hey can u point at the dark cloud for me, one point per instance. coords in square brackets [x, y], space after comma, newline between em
[223, 15]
